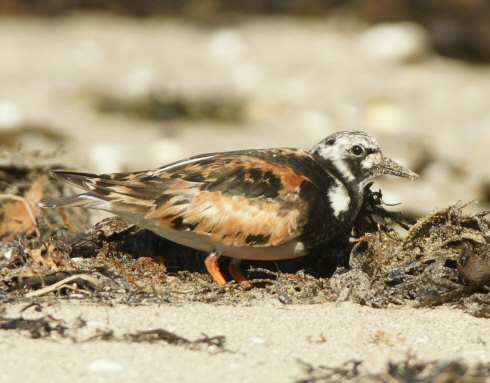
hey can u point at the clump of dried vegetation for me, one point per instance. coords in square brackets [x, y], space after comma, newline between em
[440, 259]
[34, 324]
[408, 370]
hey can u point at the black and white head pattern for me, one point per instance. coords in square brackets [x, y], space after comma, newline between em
[350, 155]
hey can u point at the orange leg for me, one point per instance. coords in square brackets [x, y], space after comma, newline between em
[236, 273]
[212, 265]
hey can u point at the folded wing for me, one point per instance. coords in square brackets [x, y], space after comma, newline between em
[237, 198]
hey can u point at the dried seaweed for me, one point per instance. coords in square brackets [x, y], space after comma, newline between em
[215, 343]
[387, 258]
[408, 370]
[442, 259]
[37, 328]
[48, 326]
[212, 344]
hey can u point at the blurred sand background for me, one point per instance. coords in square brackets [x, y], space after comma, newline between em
[144, 86]
[122, 93]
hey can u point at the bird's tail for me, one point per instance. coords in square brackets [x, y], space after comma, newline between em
[79, 200]
[109, 192]
[82, 180]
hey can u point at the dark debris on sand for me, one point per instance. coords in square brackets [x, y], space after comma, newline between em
[440, 259]
[409, 370]
[35, 324]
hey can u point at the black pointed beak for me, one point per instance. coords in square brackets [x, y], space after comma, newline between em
[388, 166]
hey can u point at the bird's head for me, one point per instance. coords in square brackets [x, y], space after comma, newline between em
[355, 157]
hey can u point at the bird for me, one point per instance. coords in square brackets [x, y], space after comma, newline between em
[257, 204]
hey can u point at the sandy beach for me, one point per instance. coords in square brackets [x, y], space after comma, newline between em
[263, 342]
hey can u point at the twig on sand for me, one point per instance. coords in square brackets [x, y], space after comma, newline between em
[62, 283]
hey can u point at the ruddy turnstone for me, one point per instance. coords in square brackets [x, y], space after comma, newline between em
[260, 204]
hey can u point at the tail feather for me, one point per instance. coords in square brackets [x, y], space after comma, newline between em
[102, 185]
[86, 181]
[79, 200]
[116, 192]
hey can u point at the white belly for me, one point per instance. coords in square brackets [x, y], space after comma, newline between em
[203, 242]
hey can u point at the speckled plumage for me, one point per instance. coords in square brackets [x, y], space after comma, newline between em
[252, 204]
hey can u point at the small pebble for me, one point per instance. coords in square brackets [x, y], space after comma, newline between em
[11, 115]
[226, 45]
[385, 116]
[105, 365]
[8, 254]
[107, 157]
[139, 82]
[257, 340]
[400, 42]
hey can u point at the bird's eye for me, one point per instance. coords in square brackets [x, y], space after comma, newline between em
[357, 150]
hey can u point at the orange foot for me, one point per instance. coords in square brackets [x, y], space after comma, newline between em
[212, 265]
[236, 273]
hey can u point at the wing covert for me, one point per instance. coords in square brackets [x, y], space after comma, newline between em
[237, 200]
